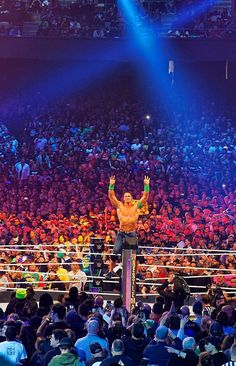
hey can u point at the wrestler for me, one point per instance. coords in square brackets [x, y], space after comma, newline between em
[128, 213]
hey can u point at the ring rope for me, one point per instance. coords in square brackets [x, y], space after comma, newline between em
[185, 249]
[189, 267]
[143, 265]
[112, 245]
[56, 251]
[103, 293]
[105, 253]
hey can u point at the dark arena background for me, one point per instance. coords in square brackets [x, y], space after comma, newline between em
[135, 90]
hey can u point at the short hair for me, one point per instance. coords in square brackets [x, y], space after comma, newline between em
[197, 307]
[216, 329]
[118, 346]
[162, 332]
[45, 300]
[128, 193]
[185, 310]
[59, 334]
[174, 322]
[189, 343]
[159, 299]
[84, 310]
[60, 310]
[73, 292]
[222, 318]
[118, 303]
[93, 326]
[137, 330]
[205, 299]
[11, 333]
[157, 308]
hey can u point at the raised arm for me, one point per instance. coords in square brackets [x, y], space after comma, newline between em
[144, 198]
[111, 194]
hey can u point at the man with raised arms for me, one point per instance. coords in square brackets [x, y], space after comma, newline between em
[128, 213]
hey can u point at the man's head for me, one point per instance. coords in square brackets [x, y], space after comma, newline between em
[185, 310]
[228, 309]
[58, 312]
[117, 347]
[197, 308]
[98, 301]
[11, 333]
[161, 333]
[93, 327]
[137, 330]
[75, 267]
[189, 343]
[157, 308]
[83, 311]
[57, 336]
[65, 345]
[127, 198]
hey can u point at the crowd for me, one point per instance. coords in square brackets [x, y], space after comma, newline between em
[81, 329]
[54, 199]
[54, 212]
[91, 19]
[212, 24]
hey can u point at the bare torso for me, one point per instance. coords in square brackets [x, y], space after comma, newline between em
[128, 217]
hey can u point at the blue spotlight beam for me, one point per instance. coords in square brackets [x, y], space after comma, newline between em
[187, 13]
[153, 67]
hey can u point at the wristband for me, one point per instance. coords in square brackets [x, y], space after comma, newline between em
[140, 205]
[146, 188]
[111, 187]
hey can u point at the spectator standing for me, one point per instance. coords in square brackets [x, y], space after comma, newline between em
[172, 292]
[13, 350]
[212, 347]
[22, 170]
[118, 357]
[18, 300]
[54, 320]
[57, 336]
[184, 357]
[77, 277]
[135, 345]
[156, 350]
[197, 310]
[98, 355]
[66, 357]
[92, 337]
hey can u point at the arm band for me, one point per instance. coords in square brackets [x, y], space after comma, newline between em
[140, 205]
[146, 188]
[111, 187]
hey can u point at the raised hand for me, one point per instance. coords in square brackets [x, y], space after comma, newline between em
[112, 179]
[146, 180]
[183, 321]
[163, 319]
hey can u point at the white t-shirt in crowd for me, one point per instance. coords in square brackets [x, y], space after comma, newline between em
[79, 276]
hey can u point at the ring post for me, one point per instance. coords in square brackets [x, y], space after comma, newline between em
[128, 287]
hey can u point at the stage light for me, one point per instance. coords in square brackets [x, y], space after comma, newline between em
[148, 116]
